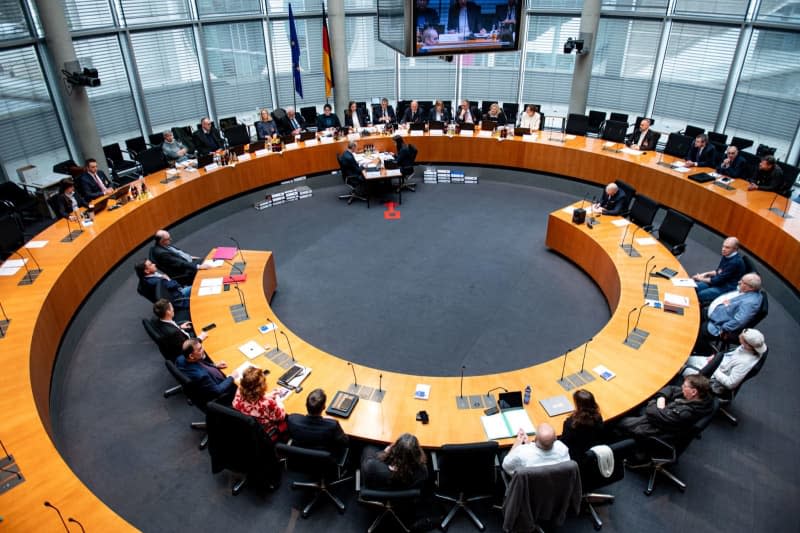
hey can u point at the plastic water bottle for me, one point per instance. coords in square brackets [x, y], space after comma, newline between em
[526, 399]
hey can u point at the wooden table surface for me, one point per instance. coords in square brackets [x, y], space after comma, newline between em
[40, 314]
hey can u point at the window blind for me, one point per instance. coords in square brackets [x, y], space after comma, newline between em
[734, 9]
[779, 11]
[12, 20]
[88, 14]
[147, 12]
[548, 70]
[209, 8]
[370, 62]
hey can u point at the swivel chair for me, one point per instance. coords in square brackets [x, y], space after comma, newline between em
[237, 135]
[227, 122]
[615, 131]
[577, 124]
[155, 139]
[789, 178]
[135, 145]
[195, 398]
[727, 397]
[630, 192]
[678, 145]
[122, 170]
[595, 123]
[592, 479]
[511, 110]
[390, 501]
[310, 114]
[165, 352]
[152, 160]
[664, 451]
[17, 200]
[351, 182]
[643, 212]
[468, 470]
[542, 495]
[618, 117]
[693, 131]
[741, 143]
[674, 230]
[407, 172]
[323, 466]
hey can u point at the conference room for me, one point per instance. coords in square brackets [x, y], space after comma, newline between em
[487, 280]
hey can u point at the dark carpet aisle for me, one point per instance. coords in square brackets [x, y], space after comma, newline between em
[463, 278]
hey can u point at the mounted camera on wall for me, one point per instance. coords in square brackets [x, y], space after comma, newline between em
[87, 77]
[574, 44]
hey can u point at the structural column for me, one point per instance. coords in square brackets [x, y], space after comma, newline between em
[590, 20]
[341, 93]
[76, 101]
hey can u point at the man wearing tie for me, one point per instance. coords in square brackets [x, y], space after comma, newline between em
[207, 138]
[177, 264]
[464, 17]
[412, 115]
[467, 114]
[701, 154]
[294, 123]
[384, 114]
[207, 377]
[93, 183]
[644, 138]
[171, 334]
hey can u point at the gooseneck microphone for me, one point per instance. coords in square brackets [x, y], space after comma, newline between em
[628, 325]
[70, 519]
[585, 347]
[583, 202]
[647, 264]
[291, 352]
[241, 300]
[239, 249]
[564, 365]
[353, 368]
[634, 235]
[274, 330]
[773, 201]
[622, 242]
[462, 381]
[380, 382]
[490, 391]
[636, 324]
[60, 516]
[27, 279]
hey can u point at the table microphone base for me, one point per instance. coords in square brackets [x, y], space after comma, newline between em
[30, 277]
[780, 212]
[239, 313]
[367, 393]
[4, 327]
[630, 250]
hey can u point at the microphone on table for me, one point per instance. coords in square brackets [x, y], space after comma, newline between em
[241, 300]
[291, 352]
[239, 249]
[622, 242]
[60, 516]
[233, 266]
[634, 235]
[274, 330]
[70, 519]
[647, 264]
[773, 201]
[69, 237]
[583, 202]
[585, 347]
[355, 380]
[628, 325]
[30, 276]
[380, 382]
[636, 324]
[4, 322]
[564, 366]
[462, 381]
[490, 391]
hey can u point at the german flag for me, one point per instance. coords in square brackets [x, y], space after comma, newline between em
[327, 65]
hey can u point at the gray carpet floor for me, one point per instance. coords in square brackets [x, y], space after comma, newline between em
[463, 278]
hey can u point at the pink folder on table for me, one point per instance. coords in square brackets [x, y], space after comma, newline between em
[225, 252]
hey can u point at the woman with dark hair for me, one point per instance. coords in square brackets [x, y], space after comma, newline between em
[584, 427]
[355, 117]
[253, 399]
[400, 465]
[67, 201]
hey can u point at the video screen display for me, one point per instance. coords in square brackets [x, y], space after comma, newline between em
[446, 27]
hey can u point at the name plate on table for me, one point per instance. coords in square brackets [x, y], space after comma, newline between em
[485, 133]
[529, 138]
[465, 133]
[211, 168]
[353, 136]
[244, 157]
[311, 142]
[326, 140]
[291, 146]
[436, 133]
[417, 133]
[262, 152]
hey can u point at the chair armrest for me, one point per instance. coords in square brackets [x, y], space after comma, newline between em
[341, 461]
[358, 480]
[664, 446]
[435, 467]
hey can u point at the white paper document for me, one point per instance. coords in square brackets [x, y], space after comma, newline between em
[518, 418]
[466, 133]
[676, 299]
[36, 244]
[529, 138]
[211, 282]
[251, 349]
[621, 223]
[485, 133]
[683, 282]
[631, 151]
[11, 263]
[9, 271]
[646, 241]
[208, 291]
[495, 427]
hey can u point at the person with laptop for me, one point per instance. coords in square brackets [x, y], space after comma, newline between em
[93, 183]
[355, 117]
[265, 127]
[327, 119]
[208, 139]
[495, 114]
[384, 114]
[67, 201]
[467, 114]
[544, 450]
[312, 430]
[726, 276]
[530, 119]
[439, 112]
[412, 115]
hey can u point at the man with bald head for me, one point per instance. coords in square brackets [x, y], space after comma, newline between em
[545, 450]
[177, 264]
[612, 202]
[734, 165]
[725, 278]
[412, 115]
[731, 315]
[207, 138]
[644, 138]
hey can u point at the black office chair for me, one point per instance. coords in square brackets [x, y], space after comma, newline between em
[789, 178]
[323, 466]
[152, 160]
[717, 138]
[678, 145]
[193, 395]
[693, 131]
[618, 117]
[310, 114]
[390, 501]
[407, 172]
[227, 122]
[643, 212]
[11, 236]
[542, 494]
[749, 264]
[155, 139]
[666, 450]
[728, 395]
[640, 119]
[630, 192]
[351, 182]
[69, 167]
[592, 479]
[147, 323]
[751, 162]
[511, 111]
[485, 105]
[615, 131]
[577, 124]
[135, 145]
[122, 170]
[184, 135]
[595, 123]
[237, 442]
[17, 199]
[741, 143]
[674, 230]
[237, 135]
[465, 473]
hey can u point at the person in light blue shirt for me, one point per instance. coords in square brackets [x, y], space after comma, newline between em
[731, 315]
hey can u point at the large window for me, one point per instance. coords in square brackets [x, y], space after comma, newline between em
[369, 62]
[548, 71]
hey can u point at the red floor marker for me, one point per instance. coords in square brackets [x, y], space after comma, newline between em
[391, 213]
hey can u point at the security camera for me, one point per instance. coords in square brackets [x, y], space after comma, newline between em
[573, 44]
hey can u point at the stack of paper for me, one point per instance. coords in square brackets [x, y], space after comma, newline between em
[210, 286]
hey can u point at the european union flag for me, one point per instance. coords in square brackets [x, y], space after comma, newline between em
[295, 44]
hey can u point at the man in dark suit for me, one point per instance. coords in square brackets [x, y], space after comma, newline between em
[467, 114]
[154, 280]
[734, 165]
[177, 264]
[726, 276]
[701, 154]
[768, 176]
[464, 17]
[207, 138]
[293, 124]
[439, 113]
[384, 114]
[426, 15]
[413, 114]
[350, 166]
[93, 183]
[643, 138]
[327, 119]
[314, 431]
[67, 201]
[612, 202]
[171, 334]
[210, 382]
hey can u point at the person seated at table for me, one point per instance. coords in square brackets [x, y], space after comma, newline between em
[496, 114]
[93, 183]
[426, 15]
[734, 164]
[584, 427]
[355, 117]
[672, 411]
[544, 450]
[175, 262]
[412, 115]
[293, 124]
[173, 149]
[384, 114]
[464, 17]
[727, 370]
[768, 176]
[643, 138]
[67, 201]
[253, 399]
[730, 315]
[701, 154]
[171, 334]
[210, 383]
[506, 14]
[405, 153]
[400, 465]
[266, 128]
[312, 430]
[327, 119]
[612, 202]
[351, 168]
[467, 114]
[530, 118]
[726, 276]
[208, 139]
[430, 37]
[147, 271]
[439, 112]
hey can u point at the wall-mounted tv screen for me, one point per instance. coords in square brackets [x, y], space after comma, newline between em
[448, 27]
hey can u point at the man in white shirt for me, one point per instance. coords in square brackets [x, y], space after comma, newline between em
[545, 450]
[530, 119]
[727, 371]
